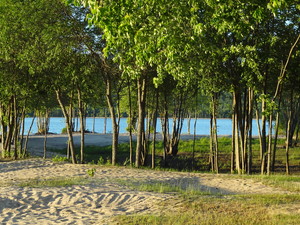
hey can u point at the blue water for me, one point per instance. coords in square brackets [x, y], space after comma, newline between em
[58, 123]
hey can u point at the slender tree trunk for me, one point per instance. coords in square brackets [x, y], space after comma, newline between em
[195, 129]
[82, 127]
[9, 135]
[243, 125]
[23, 131]
[165, 130]
[288, 133]
[147, 137]
[250, 119]
[27, 137]
[154, 129]
[130, 124]
[287, 164]
[71, 115]
[233, 141]
[236, 134]
[269, 155]
[189, 123]
[216, 153]
[263, 138]
[46, 131]
[275, 141]
[68, 126]
[115, 138]
[211, 144]
[4, 130]
[141, 85]
[259, 132]
[178, 119]
[214, 136]
[16, 130]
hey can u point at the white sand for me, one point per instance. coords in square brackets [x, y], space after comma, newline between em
[97, 202]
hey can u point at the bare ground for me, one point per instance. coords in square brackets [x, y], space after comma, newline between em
[97, 202]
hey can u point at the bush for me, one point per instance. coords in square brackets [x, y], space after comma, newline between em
[58, 158]
[64, 130]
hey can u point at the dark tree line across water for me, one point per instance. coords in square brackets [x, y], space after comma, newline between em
[150, 59]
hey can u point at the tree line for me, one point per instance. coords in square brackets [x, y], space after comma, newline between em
[153, 59]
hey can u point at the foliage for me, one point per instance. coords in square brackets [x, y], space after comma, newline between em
[91, 172]
[64, 130]
[58, 158]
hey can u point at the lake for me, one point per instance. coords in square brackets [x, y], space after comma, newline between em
[58, 123]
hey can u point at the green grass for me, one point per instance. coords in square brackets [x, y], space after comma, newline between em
[206, 208]
[54, 182]
[100, 155]
[288, 183]
[58, 158]
[184, 161]
[162, 187]
[249, 209]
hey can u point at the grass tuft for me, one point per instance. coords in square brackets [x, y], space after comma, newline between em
[55, 182]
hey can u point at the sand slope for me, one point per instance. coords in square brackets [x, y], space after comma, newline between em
[102, 198]
[96, 202]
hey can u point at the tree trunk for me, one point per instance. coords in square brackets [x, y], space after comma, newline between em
[233, 140]
[154, 130]
[269, 155]
[9, 135]
[263, 138]
[68, 126]
[214, 136]
[16, 130]
[23, 131]
[288, 133]
[249, 129]
[236, 134]
[287, 164]
[4, 130]
[141, 85]
[26, 140]
[165, 130]
[259, 132]
[82, 126]
[46, 131]
[178, 119]
[216, 145]
[194, 135]
[130, 124]
[115, 138]
[275, 140]
[189, 123]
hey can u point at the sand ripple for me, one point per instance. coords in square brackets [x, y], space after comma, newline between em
[97, 202]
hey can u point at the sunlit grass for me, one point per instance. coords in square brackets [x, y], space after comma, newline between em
[247, 209]
[184, 161]
[163, 187]
[54, 182]
[288, 183]
[206, 208]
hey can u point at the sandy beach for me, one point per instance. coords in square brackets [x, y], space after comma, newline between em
[104, 196]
